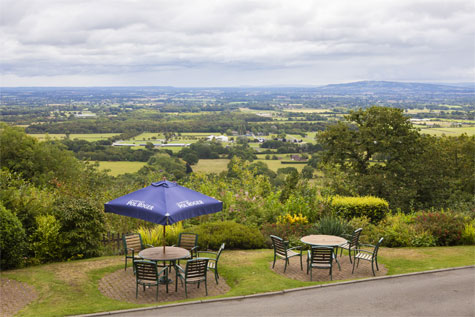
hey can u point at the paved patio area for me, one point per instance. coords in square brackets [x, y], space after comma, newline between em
[293, 270]
[120, 285]
[14, 296]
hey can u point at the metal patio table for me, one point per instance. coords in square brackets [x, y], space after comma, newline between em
[171, 254]
[323, 240]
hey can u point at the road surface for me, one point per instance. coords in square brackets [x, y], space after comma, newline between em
[446, 293]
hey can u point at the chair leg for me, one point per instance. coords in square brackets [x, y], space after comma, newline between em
[285, 267]
[125, 268]
[301, 265]
[216, 276]
[165, 274]
[372, 268]
[349, 254]
[377, 267]
[354, 262]
[273, 264]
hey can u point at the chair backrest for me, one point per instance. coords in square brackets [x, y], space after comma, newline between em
[187, 240]
[196, 268]
[356, 237]
[280, 247]
[221, 248]
[321, 255]
[146, 270]
[376, 247]
[133, 241]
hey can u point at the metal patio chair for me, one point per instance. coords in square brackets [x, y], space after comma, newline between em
[367, 255]
[320, 258]
[282, 250]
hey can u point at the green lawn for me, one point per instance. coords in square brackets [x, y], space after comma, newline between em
[121, 167]
[69, 288]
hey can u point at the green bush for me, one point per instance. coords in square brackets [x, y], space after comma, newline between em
[287, 231]
[12, 240]
[47, 241]
[236, 236]
[371, 232]
[446, 227]
[332, 225]
[468, 233]
[348, 207]
[397, 230]
[82, 226]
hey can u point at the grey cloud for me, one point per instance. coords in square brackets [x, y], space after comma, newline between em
[346, 38]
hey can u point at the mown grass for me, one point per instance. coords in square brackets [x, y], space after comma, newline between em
[120, 167]
[72, 287]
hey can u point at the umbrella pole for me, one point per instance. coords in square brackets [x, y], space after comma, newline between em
[164, 240]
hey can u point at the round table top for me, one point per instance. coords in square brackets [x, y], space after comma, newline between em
[323, 240]
[171, 254]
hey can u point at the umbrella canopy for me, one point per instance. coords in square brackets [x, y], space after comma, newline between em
[164, 203]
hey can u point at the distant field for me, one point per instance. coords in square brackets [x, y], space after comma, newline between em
[184, 138]
[219, 165]
[118, 168]
[449, 131]
[306, 110]
[88, 137]
[211, 166]
[274, 165]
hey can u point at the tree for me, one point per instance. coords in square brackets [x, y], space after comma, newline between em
[162, 164]
[41, 163]
[377, 149]
[307, 172]
[191, 158]
[149, 146]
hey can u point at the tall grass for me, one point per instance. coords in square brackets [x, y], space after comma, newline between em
[154, 236]
[332, 225]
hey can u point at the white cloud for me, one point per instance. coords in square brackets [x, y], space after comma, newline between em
[177, 42]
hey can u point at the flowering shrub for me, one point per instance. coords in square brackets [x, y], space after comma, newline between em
[292, 219]
[446, 227]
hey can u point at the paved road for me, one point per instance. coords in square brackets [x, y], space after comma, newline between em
[448, 293]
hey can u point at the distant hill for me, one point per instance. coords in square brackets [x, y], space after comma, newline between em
[392, 88]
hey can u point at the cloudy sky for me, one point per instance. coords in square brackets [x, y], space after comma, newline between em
[234, 42]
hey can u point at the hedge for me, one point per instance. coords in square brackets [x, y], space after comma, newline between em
[236, 236]
[349, 207]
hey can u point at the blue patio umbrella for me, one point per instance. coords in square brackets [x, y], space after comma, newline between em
[164, 203]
